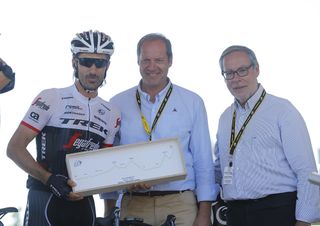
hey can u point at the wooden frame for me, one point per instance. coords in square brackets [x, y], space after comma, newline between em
[116, 168]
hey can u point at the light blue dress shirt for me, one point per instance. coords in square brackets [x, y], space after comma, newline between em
[274, 154]
[185, 117]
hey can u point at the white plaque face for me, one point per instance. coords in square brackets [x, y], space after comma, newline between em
[115, 168]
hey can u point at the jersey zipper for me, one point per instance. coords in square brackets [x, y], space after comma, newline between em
[89, 120]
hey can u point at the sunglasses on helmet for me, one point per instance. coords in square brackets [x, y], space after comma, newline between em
[88, 62]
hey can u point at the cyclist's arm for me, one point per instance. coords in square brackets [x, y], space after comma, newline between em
[17, 151]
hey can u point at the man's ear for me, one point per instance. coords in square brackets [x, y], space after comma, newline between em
[170, 62]
[257, 70]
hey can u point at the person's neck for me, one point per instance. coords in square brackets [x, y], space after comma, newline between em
[88, 94]
[243, 103]
[153, 90]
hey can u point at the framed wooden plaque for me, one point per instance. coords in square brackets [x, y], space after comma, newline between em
[115, 168]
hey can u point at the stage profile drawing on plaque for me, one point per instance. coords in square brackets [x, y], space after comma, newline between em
[114, 168]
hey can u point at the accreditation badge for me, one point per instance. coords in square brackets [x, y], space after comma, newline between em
[227, 175]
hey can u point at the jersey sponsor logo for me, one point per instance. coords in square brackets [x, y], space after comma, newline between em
[82, 144]
[118, 122]
[84, 123]
[73, 107]
[73, 113]
[101, 111]
[41, 104]
[66, 98]
[34, 116]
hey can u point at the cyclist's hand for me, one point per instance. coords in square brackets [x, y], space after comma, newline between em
[58, 184]
[141, 186]
[72, 195]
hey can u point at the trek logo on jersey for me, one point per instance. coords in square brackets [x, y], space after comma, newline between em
[84, 123]
[41, 104]
[82, 144]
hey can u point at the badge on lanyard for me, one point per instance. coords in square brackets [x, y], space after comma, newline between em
[227, 175]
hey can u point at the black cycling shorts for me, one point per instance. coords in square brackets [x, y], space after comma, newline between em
[45, 209]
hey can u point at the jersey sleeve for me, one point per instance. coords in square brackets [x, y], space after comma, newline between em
[114, 126]
[40, 110]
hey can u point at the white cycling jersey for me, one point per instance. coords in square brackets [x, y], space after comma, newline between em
[67, 122]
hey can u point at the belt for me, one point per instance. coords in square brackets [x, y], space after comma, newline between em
[280, 197]
[154, 193]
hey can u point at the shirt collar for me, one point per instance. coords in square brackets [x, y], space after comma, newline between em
[252, 100]
[159, 96]
[80, 97]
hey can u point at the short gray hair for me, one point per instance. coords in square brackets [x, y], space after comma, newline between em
[238, 48]
[152, 37]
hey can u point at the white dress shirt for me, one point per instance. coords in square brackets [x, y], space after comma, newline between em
[274, 154]
[185, 117]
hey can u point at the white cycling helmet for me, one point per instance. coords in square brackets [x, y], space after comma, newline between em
[92, 42]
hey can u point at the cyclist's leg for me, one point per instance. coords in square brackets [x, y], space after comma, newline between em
[138, 206]
[35, 214]
[183, 206]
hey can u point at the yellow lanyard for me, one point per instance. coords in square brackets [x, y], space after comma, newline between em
[143, 118]
[235, 140]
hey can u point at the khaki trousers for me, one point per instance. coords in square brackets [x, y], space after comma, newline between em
[154, 210]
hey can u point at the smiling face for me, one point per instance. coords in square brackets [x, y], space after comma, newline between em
[242, 88]
[154, 65]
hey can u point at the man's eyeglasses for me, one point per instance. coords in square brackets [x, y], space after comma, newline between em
[242, 71]
[88, 62]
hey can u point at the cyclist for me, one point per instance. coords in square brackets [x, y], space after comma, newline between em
[66, 120]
